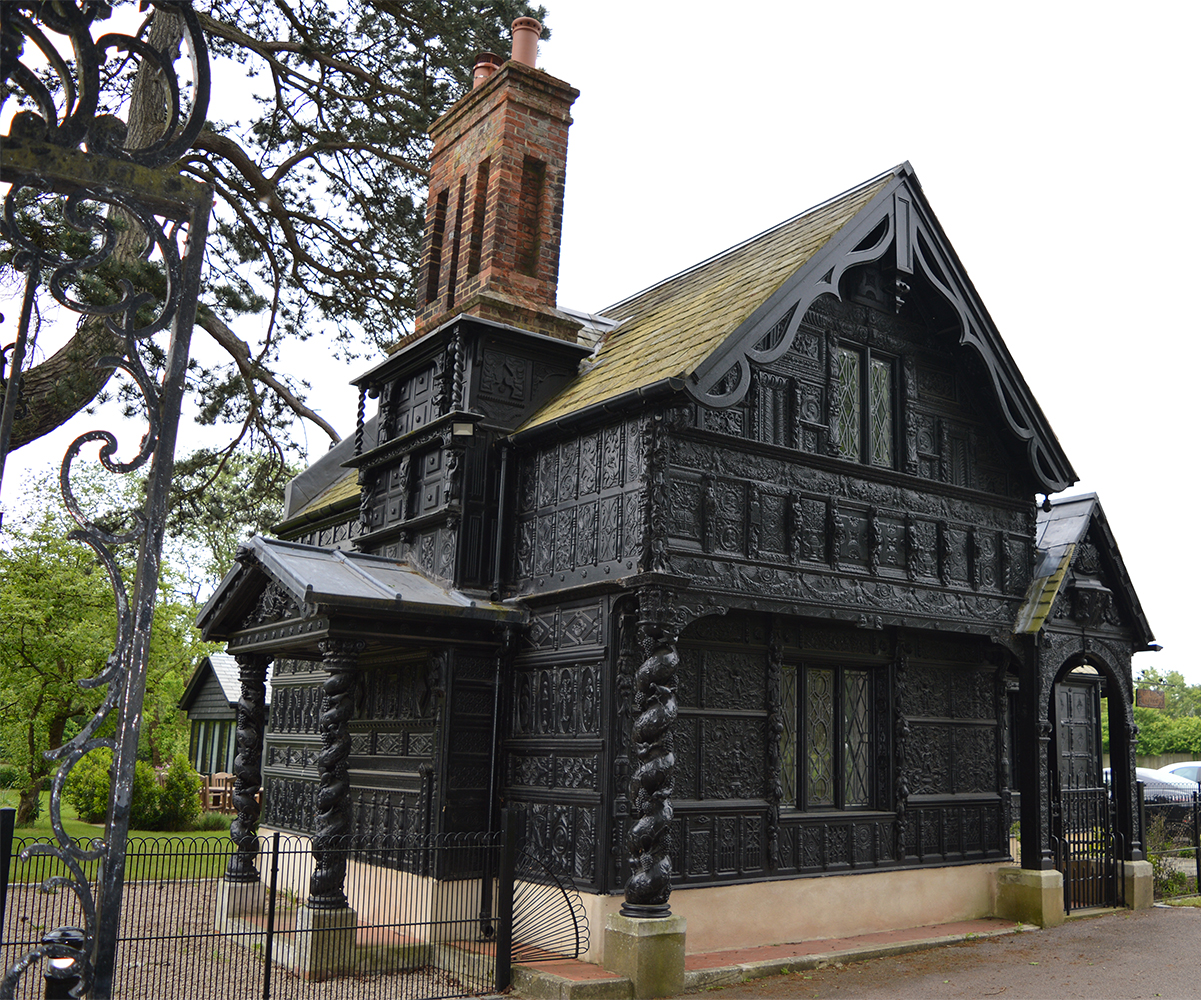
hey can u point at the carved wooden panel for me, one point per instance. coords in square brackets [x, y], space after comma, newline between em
[733, 757]
[733, 680]
[566, 626]
[556, 701]
[580, 508]
[565, 835]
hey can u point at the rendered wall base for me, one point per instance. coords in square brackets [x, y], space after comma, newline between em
[810, 909]
[1031, 896]
[1139, 885]
[649, 953]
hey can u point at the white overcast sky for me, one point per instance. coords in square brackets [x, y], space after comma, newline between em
[1053, 141]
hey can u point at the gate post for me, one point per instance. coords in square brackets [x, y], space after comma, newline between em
[1033, 893]
[7, 822]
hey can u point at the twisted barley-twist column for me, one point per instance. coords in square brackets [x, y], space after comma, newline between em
[332, 836]
[252, 712]
[653, 749]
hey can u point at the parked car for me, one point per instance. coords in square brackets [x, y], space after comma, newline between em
[1190, 769]
[1160, 786]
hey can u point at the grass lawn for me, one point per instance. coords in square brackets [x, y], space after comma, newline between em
[151, 853]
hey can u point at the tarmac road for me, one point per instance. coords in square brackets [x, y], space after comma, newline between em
[1149, 953]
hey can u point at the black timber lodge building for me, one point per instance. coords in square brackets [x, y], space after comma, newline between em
[748, 589]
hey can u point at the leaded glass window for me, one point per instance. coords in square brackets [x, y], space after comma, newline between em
[827, 743]
[820, 739]
[879, 396]
[865, 405]
[850, 422]
[788, 747]
[856, 738]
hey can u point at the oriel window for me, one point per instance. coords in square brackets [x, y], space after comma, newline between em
[865, 397]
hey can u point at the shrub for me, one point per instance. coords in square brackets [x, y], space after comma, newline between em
[145, 812]
[88, 786]
[179, 798]
[213, 821]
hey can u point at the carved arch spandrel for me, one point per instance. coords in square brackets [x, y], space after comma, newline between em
[909, 228]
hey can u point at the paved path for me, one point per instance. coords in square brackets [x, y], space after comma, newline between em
[1151, 953]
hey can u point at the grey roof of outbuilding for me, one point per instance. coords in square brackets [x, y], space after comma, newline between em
[225, 669]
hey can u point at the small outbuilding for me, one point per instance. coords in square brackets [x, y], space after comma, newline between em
[210, 701]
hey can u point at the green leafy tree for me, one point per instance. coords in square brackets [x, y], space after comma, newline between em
[219, 501]
[1173, 729]
[1182, 700]
[58, 627]
[320, 183]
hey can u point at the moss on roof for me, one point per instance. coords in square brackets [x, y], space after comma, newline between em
[341, 489]
[670, 328]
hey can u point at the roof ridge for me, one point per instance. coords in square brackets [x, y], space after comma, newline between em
[892, 171]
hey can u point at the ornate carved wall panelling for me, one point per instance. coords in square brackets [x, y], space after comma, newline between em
[581, 508]
[742, 524]
[954, 740]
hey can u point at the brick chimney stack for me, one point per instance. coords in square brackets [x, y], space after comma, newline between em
[494, 216]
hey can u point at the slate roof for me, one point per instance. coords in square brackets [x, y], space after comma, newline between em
[667, 330]
[325, 580]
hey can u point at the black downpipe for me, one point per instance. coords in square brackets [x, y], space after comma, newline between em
[486, 925]
[499, 545]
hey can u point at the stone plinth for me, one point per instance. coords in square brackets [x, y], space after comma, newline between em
[324, 943]
[1030, 896]
[238, 902]
[648, 952]
[1139, 885]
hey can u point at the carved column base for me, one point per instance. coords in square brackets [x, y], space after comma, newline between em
[645, 912]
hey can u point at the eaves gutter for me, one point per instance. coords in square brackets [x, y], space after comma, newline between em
[653, 393]
[331, 513]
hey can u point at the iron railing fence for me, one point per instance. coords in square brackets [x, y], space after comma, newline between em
[442, 916]
[186, 932]
[1171, 826]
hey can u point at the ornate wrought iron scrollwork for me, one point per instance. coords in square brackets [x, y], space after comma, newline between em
[117, 197]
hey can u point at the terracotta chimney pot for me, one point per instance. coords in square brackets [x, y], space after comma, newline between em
[526, 32]
[486, 63]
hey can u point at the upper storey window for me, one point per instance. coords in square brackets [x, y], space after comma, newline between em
[863, 388]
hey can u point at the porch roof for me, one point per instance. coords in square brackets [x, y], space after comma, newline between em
[328, 584]
[1060, 533]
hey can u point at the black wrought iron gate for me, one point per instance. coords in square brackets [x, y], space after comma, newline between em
[1088, 847]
